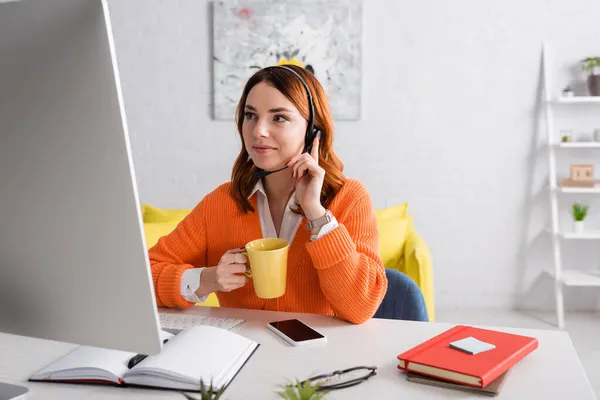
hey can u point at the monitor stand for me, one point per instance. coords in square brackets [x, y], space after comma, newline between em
[12, 392]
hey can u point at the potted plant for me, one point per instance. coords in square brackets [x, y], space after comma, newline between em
[206, 392]
[302, 391]
[579, 212]
[592, 66]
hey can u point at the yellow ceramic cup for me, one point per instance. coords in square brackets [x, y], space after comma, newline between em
[268, 266]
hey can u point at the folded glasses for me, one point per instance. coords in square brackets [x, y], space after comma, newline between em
[343, 378]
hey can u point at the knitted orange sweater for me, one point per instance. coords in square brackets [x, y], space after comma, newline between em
[339, 274]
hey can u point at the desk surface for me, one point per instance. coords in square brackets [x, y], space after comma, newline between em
[553, 371]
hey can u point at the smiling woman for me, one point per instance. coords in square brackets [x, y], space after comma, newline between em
[282, 124]
[273, 132]
[333, 266]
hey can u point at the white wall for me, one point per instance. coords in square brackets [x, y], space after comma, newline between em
[448, 125]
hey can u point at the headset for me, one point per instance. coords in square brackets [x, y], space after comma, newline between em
[311, 131]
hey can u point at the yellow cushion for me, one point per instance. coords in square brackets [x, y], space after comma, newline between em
[419, 266]
[393, 224]
[398, 210]
[156, 230]
[211, 301]
[160, 222]
[155, 214]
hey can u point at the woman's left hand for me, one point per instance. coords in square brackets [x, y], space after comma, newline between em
[309, 177]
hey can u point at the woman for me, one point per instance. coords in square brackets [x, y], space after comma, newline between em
[334, 269]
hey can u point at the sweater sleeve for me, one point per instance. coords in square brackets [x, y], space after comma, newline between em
[351, 273]
[184, 248]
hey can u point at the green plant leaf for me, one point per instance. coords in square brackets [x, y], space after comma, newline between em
[304, 390]
[589, 63]
[207, 392]
[291, 393]
[579, 211]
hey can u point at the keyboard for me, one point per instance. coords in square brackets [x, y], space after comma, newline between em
[174, 323]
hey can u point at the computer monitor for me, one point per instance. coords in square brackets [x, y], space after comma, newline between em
[73, 260]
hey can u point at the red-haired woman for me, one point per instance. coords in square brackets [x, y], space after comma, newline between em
[334, 268]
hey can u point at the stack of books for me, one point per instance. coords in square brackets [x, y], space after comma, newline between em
[466, 358]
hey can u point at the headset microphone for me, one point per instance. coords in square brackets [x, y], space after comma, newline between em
[311, 132]
[261, 173]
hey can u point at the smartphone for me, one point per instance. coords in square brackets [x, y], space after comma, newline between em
[296, 332]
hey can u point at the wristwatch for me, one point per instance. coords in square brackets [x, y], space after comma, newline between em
[319, 222]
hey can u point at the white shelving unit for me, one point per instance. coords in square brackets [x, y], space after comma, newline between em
[562, 276]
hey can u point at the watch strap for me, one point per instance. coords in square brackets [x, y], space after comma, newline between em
[319, 222]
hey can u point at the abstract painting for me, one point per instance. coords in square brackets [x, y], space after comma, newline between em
[323, 36]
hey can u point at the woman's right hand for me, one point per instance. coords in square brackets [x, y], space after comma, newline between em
[228, 275]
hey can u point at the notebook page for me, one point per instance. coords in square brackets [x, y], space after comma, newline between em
[237, 365]
[77, 365]
[87, 362]
[199, 352]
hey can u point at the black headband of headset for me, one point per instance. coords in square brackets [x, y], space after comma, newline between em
[310, 130]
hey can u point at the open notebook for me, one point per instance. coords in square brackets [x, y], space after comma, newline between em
[199, 353]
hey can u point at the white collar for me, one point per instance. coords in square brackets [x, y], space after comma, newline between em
[259, 187]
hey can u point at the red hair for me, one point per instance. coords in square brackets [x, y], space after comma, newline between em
[290, 86]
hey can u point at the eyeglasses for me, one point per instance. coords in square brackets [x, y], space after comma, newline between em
[343, 379]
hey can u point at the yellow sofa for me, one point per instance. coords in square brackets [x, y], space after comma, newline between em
[400, 245]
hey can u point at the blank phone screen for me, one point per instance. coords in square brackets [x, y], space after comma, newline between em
[296, 330]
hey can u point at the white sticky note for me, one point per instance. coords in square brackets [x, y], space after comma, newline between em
[471, 345]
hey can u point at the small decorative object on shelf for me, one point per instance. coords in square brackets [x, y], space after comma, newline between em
[584, 137]
[568, 92]
[579, 212]
[597, 135]
[581, 176]
[592, 66]
[566, 135]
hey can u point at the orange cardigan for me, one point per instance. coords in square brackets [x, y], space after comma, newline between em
[339, 274]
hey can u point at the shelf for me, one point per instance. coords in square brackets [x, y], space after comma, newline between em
[578, 190]
[578, 145]
[588, 235]
[577, 100]
[572, 277]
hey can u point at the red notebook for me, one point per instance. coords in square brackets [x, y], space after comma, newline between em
[436, 358]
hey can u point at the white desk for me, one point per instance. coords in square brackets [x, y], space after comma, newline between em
[553, 371]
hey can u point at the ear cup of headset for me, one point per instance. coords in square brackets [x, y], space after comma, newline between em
[310, 139]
